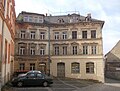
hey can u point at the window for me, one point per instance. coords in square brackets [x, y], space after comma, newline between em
[64, 50]
[93, 34]
[84, 34]
[75, 68]
[85, 49]
[26, 18]
[30, 18]
[36, 19]
[22, 34]
[90, 67]
[93, 49]
[39, 75]
[40, 19]
[42, 51]
[64, 35]
[56, 35]
[56, 50]
[32, 66]
[42, 35]
[74, 34]
[32, 35]
[22, 66]
[74, 50]
[22, 50]
[32, 51]
[31, 75]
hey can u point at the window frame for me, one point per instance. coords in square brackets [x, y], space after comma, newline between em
[90, 67]
[75, 68]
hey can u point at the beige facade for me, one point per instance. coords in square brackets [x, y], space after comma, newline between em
[71, 44]
[7, 32]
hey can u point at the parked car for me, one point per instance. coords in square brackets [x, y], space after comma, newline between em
[32, 78]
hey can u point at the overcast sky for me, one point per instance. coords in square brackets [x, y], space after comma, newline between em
[107, 10]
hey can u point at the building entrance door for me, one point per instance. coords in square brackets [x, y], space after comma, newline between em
[61, 70]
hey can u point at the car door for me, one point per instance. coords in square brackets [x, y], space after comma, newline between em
[30, 79]
[39, 78]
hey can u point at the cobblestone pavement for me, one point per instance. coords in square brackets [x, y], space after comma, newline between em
[74, 85]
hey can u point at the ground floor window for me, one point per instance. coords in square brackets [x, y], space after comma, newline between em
[22, 66]
[90, 67]
[32, 66]
[75, 68]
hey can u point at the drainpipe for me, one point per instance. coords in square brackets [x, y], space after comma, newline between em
[48, 49]
[2, 42]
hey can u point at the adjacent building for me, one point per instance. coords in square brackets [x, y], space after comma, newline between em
[64, 45]
[112, 62]
[7, 33]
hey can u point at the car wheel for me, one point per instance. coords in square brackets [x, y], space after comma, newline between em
[19, 84]
[45, 84]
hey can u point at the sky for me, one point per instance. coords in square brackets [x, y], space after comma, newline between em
[106, 10]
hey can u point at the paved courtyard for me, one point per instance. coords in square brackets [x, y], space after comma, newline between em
[74, 85]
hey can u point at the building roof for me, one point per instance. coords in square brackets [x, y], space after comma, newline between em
[114, 53]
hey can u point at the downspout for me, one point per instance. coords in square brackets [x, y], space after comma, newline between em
[2, 42]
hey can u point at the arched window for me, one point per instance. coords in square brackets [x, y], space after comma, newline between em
[90, 67]
[75, 68]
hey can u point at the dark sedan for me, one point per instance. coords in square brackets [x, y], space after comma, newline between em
[32, 78]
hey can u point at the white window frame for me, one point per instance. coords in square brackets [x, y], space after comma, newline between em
[64, 35]
[32, 35]
[22, 35]
[42, 51]
[22, 51]
[57, 36]
[32, 51]
[74, 50]
[42, 35]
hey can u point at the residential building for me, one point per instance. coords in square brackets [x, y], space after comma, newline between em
[7, 33]
[64, 45]
[112, 62]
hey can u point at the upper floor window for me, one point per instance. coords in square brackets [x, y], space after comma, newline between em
[40, 19]
[90, 67]
[32, 66]
[25, 18]
[22, 34]
[56, 50]
[22, 50]
[22, 66]
[74, 50]
[32, 35]
[64, 35]
[93, 34]
[42, 51]
[36, 19]
[42, 35]
[74, 34]
[64, 50]
[57, 35]
[75, 68]
[85, 49]
[32, 51]
[30, 18]
[84, 34]
[93, 49]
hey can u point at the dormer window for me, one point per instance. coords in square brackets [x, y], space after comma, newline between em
[60, 21]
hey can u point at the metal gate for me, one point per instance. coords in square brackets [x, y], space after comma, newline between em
[61, 70]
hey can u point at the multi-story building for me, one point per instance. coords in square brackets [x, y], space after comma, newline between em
[65, 45]
[7, 33]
